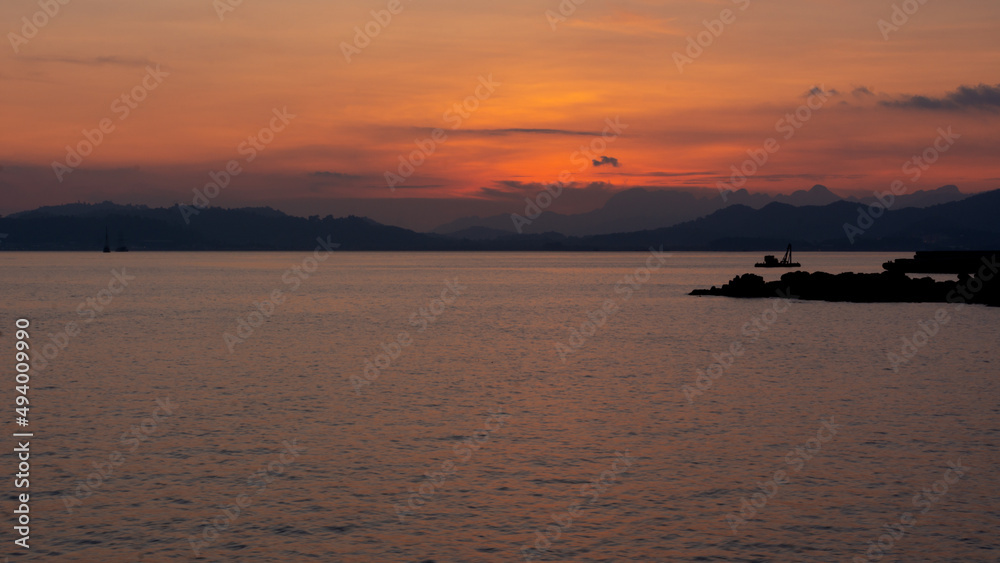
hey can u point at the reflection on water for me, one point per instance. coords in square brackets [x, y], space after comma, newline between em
[477, 440]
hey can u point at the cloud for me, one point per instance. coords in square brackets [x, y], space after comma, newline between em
[668, 174]
[630, 24]
[498, 132]
[334, 175]
[519, 186]
[93, 61]
[606, 160]
[495, 193]
[809, 177]
[862, 91]
[408, 187]
[983, 97]
[516, 189]
[819, 91]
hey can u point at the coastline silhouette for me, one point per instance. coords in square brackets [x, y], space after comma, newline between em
[978, 282]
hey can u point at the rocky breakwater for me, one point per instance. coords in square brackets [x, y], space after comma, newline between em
[983, 287]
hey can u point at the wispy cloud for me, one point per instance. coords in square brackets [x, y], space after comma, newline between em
[495, 193]
[520, 131]
[334, 175]
[667, 174]
[409, 187]
[93, 61]
[810, 177]
[629, 24]
[517, 189]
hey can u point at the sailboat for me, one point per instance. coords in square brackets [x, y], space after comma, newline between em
[107, 243]
[771, 262]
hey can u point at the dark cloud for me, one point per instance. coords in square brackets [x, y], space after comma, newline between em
[495, 193]
[334, 175]
[408, 187]
[983, 97]
[520, 186]
[819, 91]
[862, 91]
[112, 170]
[606, 160]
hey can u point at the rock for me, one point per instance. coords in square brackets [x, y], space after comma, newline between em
[885, 287]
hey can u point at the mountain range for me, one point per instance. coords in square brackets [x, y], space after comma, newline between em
[917, 224]
[639, 209]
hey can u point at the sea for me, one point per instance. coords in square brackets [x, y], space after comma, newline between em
[491, 406]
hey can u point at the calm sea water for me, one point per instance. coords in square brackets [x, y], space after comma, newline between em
[480, 439]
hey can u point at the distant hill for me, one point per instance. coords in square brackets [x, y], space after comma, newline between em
[967, 224]
[970, 223]
[82, 227]
[923, 198]
[817, 195]
[639, 209]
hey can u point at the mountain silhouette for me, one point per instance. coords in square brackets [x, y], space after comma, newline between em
[639, 209]
[966, 224]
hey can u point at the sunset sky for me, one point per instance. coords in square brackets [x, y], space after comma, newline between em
[555, 85]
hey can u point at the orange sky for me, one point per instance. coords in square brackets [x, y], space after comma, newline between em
[556, 89]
